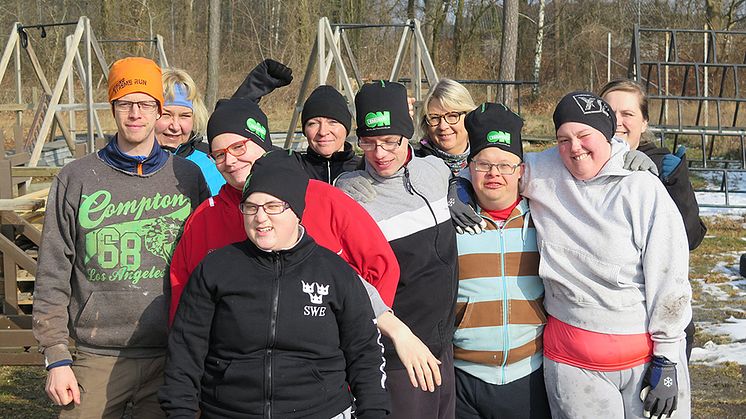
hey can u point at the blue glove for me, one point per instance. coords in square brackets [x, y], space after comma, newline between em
[660, 388]
[671, 162]
[464, 218]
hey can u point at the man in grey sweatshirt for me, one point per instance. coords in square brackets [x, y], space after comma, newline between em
[111, 224]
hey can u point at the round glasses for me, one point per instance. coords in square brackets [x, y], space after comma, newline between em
[236, 149]
[451, 118]
[502, 168]
[366, 145]
[270, 208]
[123, 106]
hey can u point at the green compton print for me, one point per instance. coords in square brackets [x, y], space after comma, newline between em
[115, 251]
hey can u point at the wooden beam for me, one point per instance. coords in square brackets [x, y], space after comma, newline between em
[22, 358]
[14, 338]
[34, 171]
[12, 107]
[9, 249]
[22, 321]
[23, 226]
[21, 204]
[5, 59]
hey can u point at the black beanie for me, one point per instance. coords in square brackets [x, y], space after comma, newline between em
[240, 116]
[327, 102]
[586, 108]
[494, 125]
[382, 109]
[279, 173]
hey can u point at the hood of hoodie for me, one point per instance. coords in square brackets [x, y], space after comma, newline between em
[112, 155]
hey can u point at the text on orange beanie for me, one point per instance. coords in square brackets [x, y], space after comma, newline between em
[136, 75]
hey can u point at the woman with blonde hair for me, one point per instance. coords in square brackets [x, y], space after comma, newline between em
[182, 127]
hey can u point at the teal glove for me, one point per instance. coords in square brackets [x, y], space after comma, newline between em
[671, 162]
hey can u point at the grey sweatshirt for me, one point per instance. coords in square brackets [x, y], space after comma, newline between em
[103, 263]
[614, 253]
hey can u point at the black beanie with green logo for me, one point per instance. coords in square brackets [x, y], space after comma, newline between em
[494, 125]
[382, 109]
[239, 116]
[279, 173]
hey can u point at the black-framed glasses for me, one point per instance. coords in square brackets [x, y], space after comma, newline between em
[236, 149]
[123, 106]
[270, 208]
[366, 145]
[451, 118]
[502, 168]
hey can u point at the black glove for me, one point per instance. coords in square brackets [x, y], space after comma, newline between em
[263, 79]
[660, 388]
[460, 195]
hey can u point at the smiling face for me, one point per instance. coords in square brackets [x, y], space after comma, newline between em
[270, 232]
[584, 150]
[630, 122]
[135, 127]
[493, 190]
[384, 162]
[452, 139]
[175, 126]
[325, 136]
[235, 169]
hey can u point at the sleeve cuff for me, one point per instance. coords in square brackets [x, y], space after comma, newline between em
[63, 363]
[57, 353]
[669, 350]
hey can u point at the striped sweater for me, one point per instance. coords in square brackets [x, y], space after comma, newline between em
[499, 314]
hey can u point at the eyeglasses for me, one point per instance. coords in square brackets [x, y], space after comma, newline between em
[502, 168]
[123, 106]
[236, 149]
[386, 145]
[270, 208]
[452, 118]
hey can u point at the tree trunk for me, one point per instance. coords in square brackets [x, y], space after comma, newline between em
[458, 34]
[539, 45]
[509, 48]
[714, 12]
[213, 55]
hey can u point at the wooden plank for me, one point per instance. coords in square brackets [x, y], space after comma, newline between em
[19, 159]
[17, 256]
[41, 193]
[21, 204]
[34, 171]
[14, 107]
[23, 226]
[13, 338]
[22, 358]
[5, 59]
[22, 321]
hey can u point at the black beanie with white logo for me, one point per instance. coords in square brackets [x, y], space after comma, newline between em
[381, 109]
[279, 173]
[240, 116]
[325, 101]
[494, 125]
[586, 108]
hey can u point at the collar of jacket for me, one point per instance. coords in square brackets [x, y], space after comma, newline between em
[522, 209]
[615, 165]
[290, 257]
[398, 174]
[230, 195]
[114, 157]
[187, 148]
[347, 153]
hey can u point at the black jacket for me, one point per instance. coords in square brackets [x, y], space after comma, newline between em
[327, 169]
[681, 191]
[286, 334]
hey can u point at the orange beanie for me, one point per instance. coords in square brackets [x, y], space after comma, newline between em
[136, 75]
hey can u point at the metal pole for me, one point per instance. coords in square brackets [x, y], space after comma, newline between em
[70, 92]
[19, 96]
[705, 94]
[321, 42]
[667, 68]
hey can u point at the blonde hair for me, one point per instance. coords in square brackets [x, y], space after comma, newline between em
[452, 95]
[173, 76]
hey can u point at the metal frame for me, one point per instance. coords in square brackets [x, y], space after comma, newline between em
[327, 51]
[694, 91]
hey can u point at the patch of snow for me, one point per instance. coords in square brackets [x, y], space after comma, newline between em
[713, 289]
[713, 353]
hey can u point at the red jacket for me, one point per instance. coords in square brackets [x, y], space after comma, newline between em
[331, 217]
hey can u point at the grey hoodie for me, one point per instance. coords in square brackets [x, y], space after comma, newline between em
[614, 253]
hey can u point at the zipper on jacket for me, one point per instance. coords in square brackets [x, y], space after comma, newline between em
[506, 331]
[272, 335]
[329, 171]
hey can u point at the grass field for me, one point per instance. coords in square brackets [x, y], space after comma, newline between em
[719, 388]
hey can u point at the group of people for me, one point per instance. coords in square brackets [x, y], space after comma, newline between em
[452, 276]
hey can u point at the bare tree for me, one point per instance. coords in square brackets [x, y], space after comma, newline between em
[213, 55]
[539, 45]
[509, 47]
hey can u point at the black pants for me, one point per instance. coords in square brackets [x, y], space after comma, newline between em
[408, 402]
[523, 398]
[689, 339]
